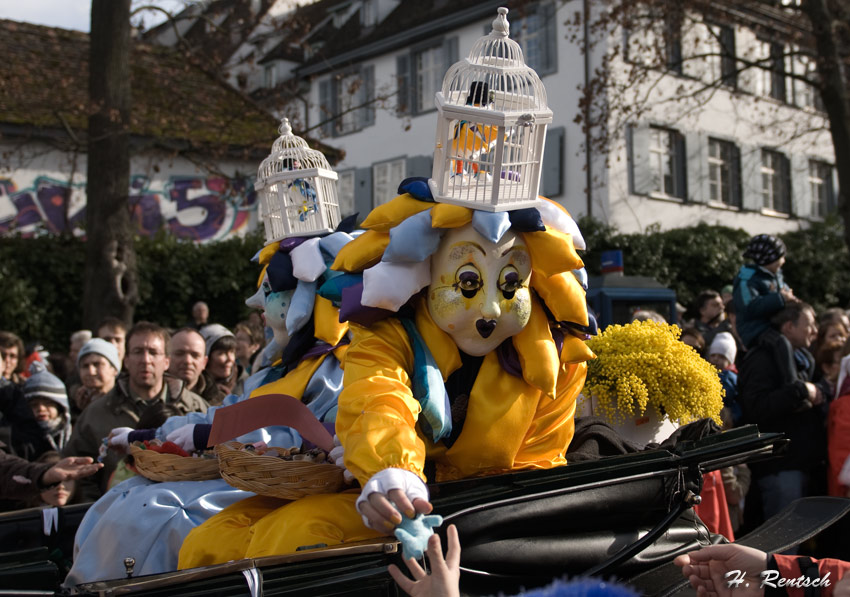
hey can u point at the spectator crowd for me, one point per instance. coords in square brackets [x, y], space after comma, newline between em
[56, 409]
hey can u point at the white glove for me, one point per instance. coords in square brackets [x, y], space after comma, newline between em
[184, 437]
[392, 478]
[337, 455]
[119, 437]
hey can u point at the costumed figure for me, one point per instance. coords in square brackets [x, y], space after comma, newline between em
[148, 521]
[466, 359]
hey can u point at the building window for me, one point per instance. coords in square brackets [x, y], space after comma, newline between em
[369, 13]
[347, 101]
[536, 33]
[386, 177]
[805, 94]
[823, 192]
[724, 178]
[775, 181]
[771, 78]
[721, 55]
[667, 162]
[673, 48]
[269, 76]
[420, 74]
[430, 67]
[345, 192]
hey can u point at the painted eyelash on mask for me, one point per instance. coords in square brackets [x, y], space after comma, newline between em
[468, 277]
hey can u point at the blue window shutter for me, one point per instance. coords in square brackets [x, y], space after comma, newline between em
[681, 166]
[363, 190]
[801, 193]
[326, 110]
[641, 176]
[449, 52]
[550, 45]
[419, 165]
[551, 175]
[367, 117]
[751, 184]
[402, 75]
[696, 167]
[735, 176]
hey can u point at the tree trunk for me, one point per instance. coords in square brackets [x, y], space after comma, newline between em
[829, 19]
[110, 277]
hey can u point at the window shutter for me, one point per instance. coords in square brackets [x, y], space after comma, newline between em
[419, 165]
[550, 41]
[728, 67]
[735, 176]
[367, 93]
[363, 190]
[326, 108]
[800, 199]
[403, 78]
[681, 165]
[751, 186]
[696, 167]
[449, 52]
[642, 180]
[551, 178]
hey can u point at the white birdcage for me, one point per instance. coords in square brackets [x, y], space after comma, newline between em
[492, 118]
[298, 194]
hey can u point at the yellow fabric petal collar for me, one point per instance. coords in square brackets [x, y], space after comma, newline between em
[538, 354]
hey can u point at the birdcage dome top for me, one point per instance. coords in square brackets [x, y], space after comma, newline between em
[495, 75]
[290, 153]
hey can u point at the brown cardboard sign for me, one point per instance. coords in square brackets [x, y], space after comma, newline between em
[263, 411]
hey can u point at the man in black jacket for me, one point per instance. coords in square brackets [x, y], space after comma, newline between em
[776, 393]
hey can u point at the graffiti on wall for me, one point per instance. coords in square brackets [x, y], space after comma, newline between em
[199, 208]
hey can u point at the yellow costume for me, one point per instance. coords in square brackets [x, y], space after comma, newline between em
[513, 421]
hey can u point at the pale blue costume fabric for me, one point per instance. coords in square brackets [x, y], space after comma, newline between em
[148, 521]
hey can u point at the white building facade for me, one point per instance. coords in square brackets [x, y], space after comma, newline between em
[753, 152]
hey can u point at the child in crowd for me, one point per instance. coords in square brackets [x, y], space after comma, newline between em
[45, 393]
[722, 354]
[759, 288]
[57, 495]
[693, 338]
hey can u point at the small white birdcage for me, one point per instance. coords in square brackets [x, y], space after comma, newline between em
[298, 194]
[492, 118]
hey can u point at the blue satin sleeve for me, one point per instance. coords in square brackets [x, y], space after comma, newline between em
[320, 396]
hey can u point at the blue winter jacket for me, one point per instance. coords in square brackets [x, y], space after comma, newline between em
[757, 300]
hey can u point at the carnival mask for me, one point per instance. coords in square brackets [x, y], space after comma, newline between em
[479, 293]
[275, 306]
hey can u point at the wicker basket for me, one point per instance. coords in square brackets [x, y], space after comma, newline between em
[275, 477]
[171, 467]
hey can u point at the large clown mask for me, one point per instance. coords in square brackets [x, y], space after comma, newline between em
[479, 293]
[275, 306]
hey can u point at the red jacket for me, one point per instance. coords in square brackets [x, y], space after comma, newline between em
[838, 438]
[814, 577]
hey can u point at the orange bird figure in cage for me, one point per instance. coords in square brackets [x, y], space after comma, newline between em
[471, 140]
